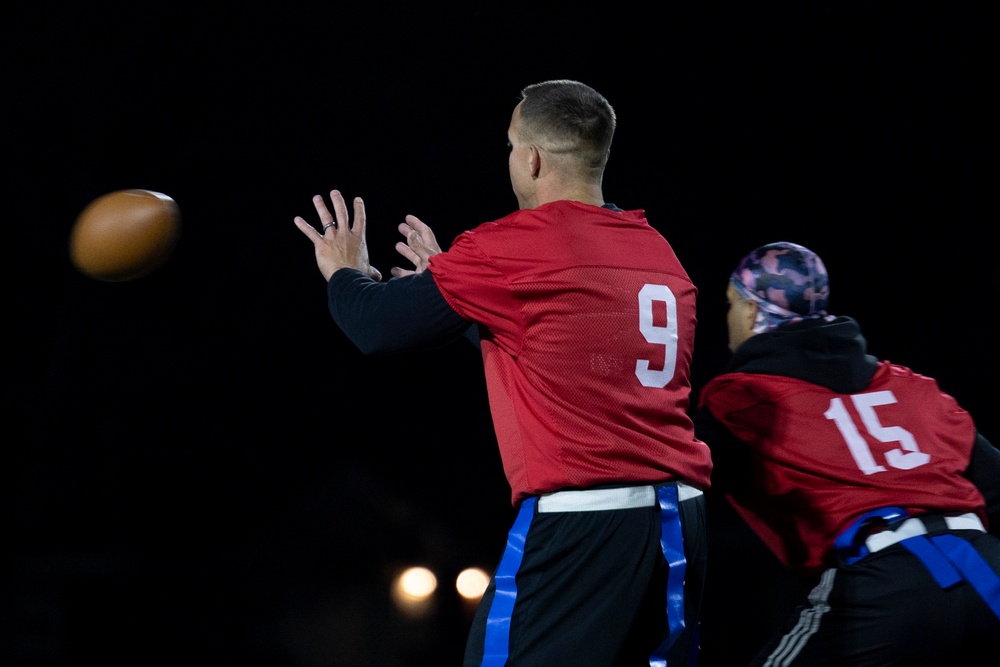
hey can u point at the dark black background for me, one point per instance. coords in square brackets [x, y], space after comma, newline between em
[199, 466]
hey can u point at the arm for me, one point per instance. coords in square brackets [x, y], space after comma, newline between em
[401, 314]
[405, 313]
[742, 530]
[731, 467]
[420, 246]
[984, 471]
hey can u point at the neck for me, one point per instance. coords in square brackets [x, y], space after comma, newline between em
[585, 193]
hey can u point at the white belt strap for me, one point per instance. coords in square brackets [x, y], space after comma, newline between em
[685, 491]
[915, 526]
[593, 500]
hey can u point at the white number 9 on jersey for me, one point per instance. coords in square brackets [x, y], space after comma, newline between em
[658, 335]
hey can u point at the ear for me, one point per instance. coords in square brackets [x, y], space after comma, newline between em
[534, 161]
[750, 313]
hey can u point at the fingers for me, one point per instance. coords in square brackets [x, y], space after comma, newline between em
[407, 252]
[415, 237]
[359, 215]
[417, 224]
[339, 219]
[400, 272]
[420, 234]
[342, 221]
[412, 228]
[325, 217]
[307, 229]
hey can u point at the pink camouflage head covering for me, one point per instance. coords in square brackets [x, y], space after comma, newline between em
[788, 282]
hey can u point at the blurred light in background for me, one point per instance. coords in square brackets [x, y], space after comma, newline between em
[413, 589]
[471, 583]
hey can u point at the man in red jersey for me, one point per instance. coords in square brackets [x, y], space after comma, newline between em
[585, 319]
[862, 477]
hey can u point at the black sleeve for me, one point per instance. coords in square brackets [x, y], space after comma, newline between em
[407, 313]
[472, 335]
[984, 471]
[732, 469]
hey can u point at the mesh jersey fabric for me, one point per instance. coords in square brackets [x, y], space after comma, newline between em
[824, 458]
[587, 324]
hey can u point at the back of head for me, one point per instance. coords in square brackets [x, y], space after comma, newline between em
[788, 282]
[569, 118]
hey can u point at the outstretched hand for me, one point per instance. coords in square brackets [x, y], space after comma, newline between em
[339, 244]
[420, 245]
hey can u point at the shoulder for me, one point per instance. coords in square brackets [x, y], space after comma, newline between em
[889, 371]
[732, 388]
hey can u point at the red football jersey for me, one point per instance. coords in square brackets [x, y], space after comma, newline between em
[589, 323]
[821, 459]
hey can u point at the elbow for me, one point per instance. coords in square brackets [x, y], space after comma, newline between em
[370, 350]
[376, 346]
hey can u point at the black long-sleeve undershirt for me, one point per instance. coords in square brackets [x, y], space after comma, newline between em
[407, 313]
[984, 471]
